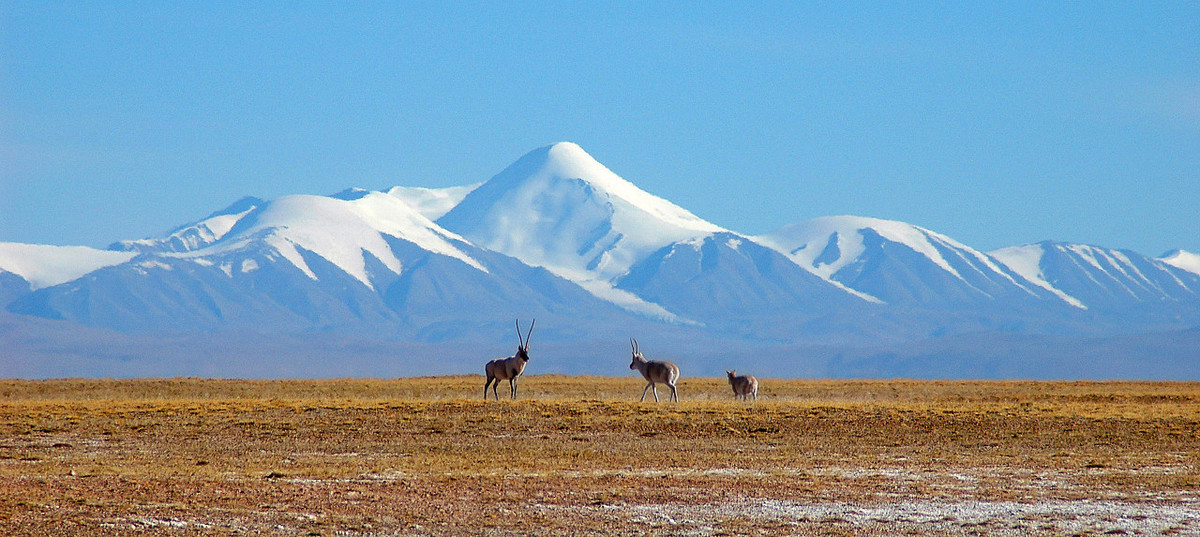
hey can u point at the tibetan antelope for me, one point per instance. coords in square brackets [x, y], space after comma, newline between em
[655, 371]
[508, 368]
[743, 385]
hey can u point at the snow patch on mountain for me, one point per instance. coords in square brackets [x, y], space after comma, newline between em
[631, 302]
[1105, 261]
[433, 203]
[1182, 259]
[46, 266]
[1027, 261]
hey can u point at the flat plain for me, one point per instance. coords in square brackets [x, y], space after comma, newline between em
[581, 456]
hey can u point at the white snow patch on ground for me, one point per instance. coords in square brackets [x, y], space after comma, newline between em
[918, 517]
[45, 266]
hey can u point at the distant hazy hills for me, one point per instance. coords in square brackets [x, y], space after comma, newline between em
[558, 236]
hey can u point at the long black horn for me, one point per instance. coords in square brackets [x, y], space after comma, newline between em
[519, 341]
[636, 347]
[529, 334]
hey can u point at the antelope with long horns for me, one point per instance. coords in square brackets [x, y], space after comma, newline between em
[655, 371]
[744, 386]
[509, 368]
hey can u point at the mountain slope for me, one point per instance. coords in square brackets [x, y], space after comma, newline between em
[12, 287]
[1102, 278]
[900, 264]
[726, 280]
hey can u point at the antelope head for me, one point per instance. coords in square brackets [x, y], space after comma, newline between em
[637, 354]
[731, 373]
[523, 344]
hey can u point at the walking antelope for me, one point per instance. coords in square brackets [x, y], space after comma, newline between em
[509, 368]
[655, 371]
[743, 385]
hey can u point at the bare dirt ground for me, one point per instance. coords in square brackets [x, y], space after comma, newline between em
[579, 455]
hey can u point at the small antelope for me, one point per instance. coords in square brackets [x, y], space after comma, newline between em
[509, 368]
[743, 385]
[655, 371]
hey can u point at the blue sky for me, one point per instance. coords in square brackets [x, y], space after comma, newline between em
[996, 123]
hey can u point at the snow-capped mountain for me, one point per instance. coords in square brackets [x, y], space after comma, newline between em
[557, 207]
[347, 233]
[300, 262]
[560, 237]
[899, 264]
[1101, 278]
[348, 229]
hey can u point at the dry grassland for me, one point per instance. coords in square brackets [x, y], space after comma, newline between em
[579, 455]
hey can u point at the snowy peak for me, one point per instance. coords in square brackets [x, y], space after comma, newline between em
[568, 160]
[896, 262]
[828, 244]
[1096, 277]
[1182, 259]
[557, 207]
[347, 229]
[196, 235]
[342, 231]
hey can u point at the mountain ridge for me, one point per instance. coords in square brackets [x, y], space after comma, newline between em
[558, 235]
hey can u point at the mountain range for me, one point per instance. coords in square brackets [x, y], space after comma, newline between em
[559, 237]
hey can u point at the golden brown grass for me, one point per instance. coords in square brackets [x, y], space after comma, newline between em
[573, 454]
